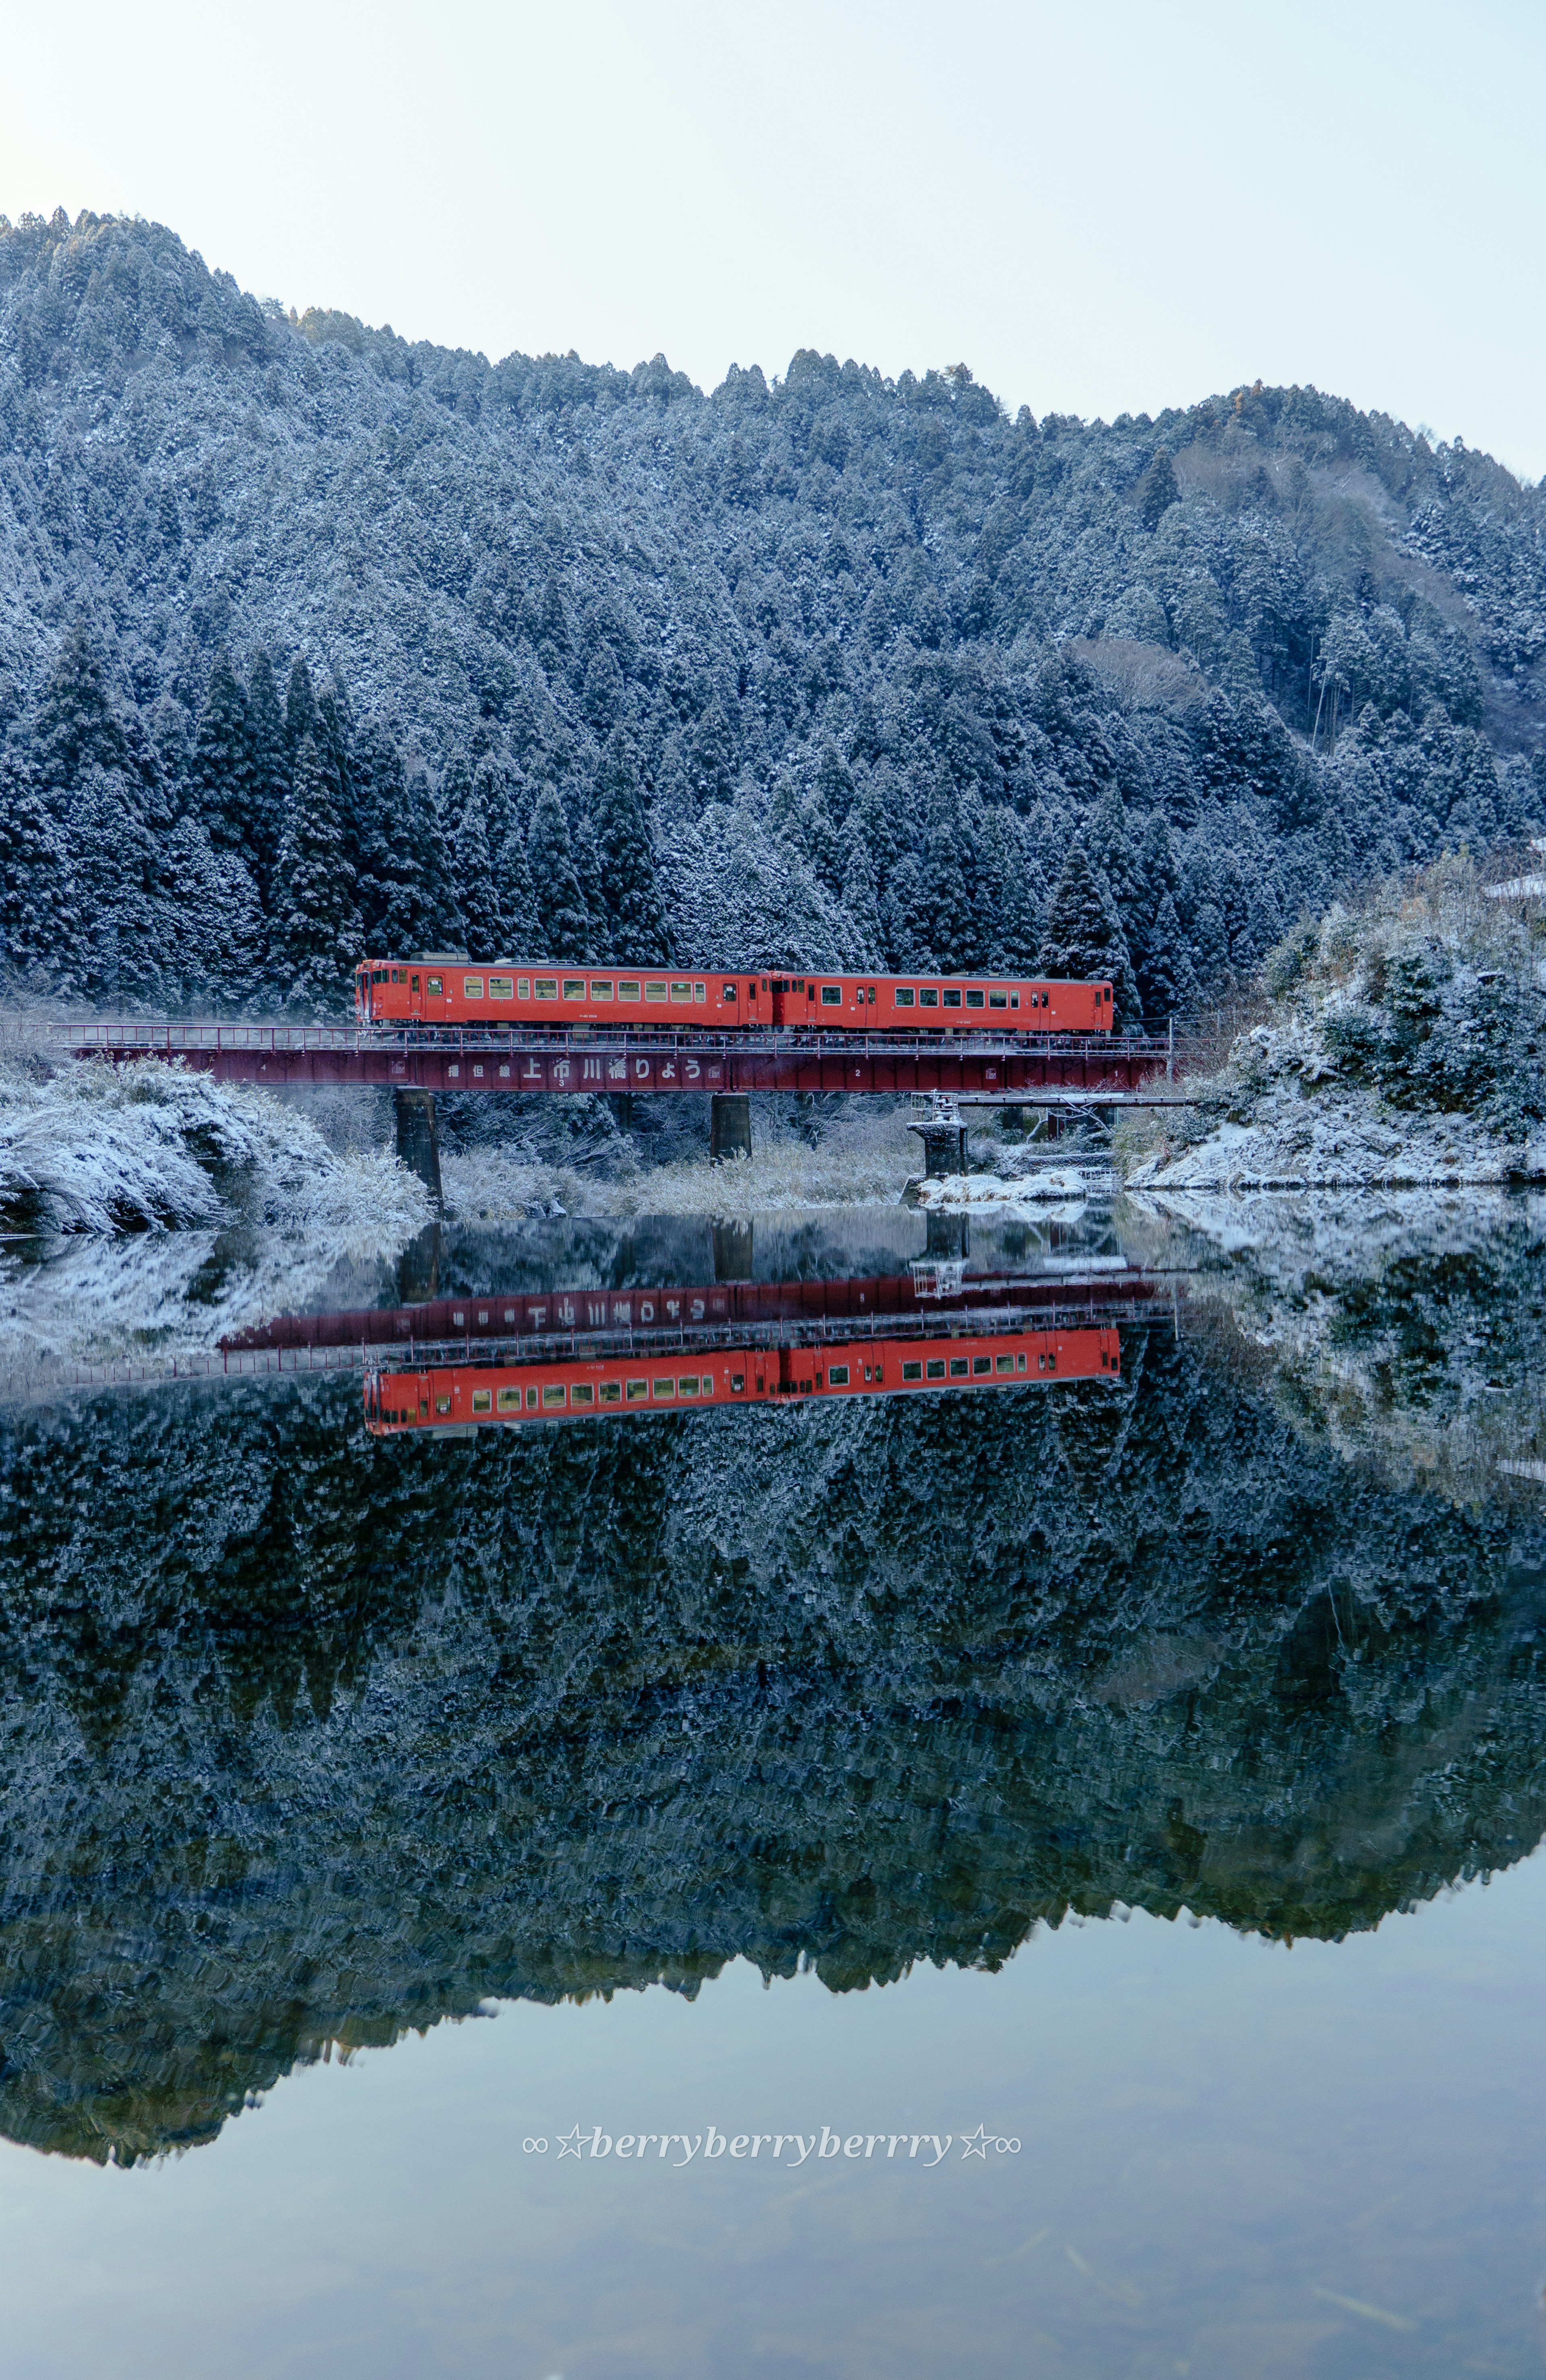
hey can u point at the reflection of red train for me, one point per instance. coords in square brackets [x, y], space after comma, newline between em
[460, 1395]
[441, 989]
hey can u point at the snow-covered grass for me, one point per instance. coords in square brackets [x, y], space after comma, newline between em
[100, 1148]
[862, 1159]
[1069, 1187]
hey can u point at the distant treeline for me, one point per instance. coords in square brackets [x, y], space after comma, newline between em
[319, 642]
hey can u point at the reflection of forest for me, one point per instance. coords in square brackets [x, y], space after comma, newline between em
[312, 1738]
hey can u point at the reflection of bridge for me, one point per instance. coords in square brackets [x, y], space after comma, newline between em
[621, 1064]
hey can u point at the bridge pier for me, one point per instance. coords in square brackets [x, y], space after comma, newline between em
[947, 1235]
[729, 1125]
[944, 1149]
[418, 1145]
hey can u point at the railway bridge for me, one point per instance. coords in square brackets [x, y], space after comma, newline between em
[1055, 1072]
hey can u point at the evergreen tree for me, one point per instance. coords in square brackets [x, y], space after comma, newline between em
[113, 865]
[268, 755]
[444, 927]
[476, 888]
[78, 724]
[943, 923]
[1110, 849]
[630, 891]
[37, 916]
[317, 946]
[223, 762]
[564, 930]
[1157, 490]
[1084, 942]
[587, 867]
[861, 905]
[300, 712]
[1167, 985]
[212, 925]
[523, 934]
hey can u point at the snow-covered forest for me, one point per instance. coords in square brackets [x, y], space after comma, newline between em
[314, 641]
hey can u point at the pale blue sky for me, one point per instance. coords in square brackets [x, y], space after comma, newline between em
[1099, 208]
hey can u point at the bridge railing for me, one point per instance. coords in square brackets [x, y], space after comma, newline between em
[169, 1037]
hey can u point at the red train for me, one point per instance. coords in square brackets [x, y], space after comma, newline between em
[459, 1395]
[439, 987]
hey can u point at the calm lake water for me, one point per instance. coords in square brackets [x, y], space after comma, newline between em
[1039, 1882]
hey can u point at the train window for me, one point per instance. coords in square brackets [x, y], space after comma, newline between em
[582, 1394]
[627, 990]
[836, 1376]
[687, 1386]
[871, 995]
[831, 995]
[655, 991]
[502, 987]
[781, 983]
[913, 1371]
[472, 987]
[508, 1400]
[682, 992]
[998, 1000]
[437, 988]
[1041, 1362]
[601, 990]
[481, 1400]
[700, 992]
[981, 1363]
[952, 999]
[398, 975]
[1020, 1363]
[730, 991]
[1003, 1363]
[738, 1383]
[902, 996]
[531, 1401]
[523, 987]
[546, 987]
[637, 1389]
[609, 1392]
[1014, 999]
[663, 1387]
[414, 986]
[552, 1398]
[442, 1404]
[573, 987]
[958, 1368]
[928, 1000]
[936, 1367]
[974, 1000]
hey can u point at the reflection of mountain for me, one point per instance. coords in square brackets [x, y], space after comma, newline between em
[313, 1738]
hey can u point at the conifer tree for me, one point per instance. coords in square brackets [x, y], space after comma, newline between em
[564, 929]
[113, 864]
[943, 922]
[1167, 984]
[523, 934]
[630, 890]
[269, 759]
[317, 944]
[37, 916]
[300, 711]
[1083, 942]
[477, 889]
[222, 761]
[587, 867]
[444, 926]
[78, 724]
[212, 926]
[859, 903]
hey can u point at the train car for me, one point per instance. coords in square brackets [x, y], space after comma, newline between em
[462, 1396]
[441, 989]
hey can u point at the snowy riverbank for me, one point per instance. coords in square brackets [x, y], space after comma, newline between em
[93, 1148]
[1405, 1047]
